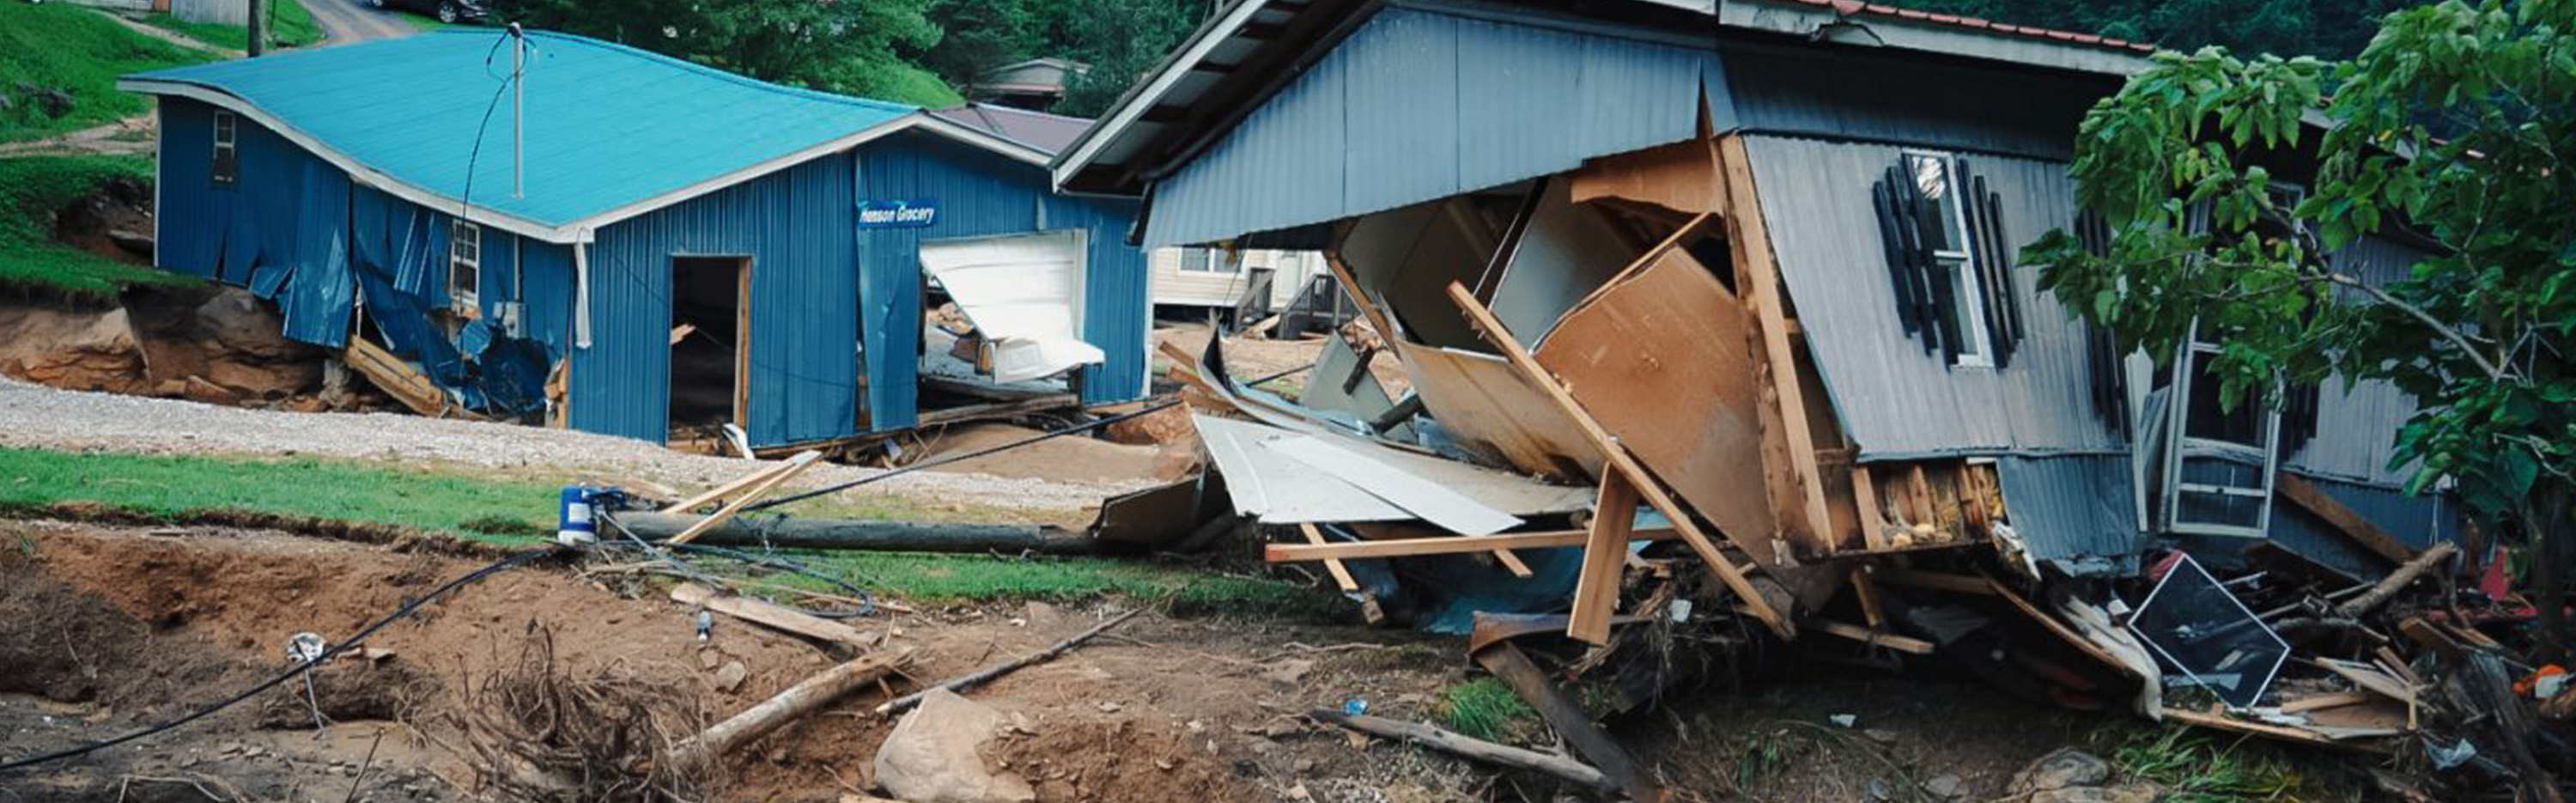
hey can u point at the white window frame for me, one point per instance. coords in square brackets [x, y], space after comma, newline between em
[2182, 445]
[1210, 261]
[463, 237]
[227, 149]
[1975, 347]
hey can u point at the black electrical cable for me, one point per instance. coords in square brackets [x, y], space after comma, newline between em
[290, 674]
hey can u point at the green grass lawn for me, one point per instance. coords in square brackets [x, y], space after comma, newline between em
[290, 24]
[80, 52]
[31, 263]
[522, 511]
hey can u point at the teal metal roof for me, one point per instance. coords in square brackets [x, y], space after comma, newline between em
[609, 127]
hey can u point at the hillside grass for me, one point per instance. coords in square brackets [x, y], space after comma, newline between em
[479, 506]
[290, 24]
[31, 263]
[80, 52]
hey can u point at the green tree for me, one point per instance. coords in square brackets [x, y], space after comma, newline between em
[1121, 40]
[848, 47]
[2323, 28]
[2454, 124]
[975, 36]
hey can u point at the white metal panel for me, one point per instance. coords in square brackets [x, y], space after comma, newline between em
[1024, 292]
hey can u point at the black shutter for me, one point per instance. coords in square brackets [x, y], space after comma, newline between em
[1909, 258]
[1993, 265]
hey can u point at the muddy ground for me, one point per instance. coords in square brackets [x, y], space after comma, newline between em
[105, 628]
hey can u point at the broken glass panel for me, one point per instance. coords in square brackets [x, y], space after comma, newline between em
[2208, 635]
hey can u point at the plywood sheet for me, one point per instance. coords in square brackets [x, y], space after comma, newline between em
[1662, 361]
[1682, 177]
[1484, 404]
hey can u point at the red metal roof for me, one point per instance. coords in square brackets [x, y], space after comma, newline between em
[1855, 8]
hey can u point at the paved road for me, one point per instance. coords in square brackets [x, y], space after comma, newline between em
[345, 21]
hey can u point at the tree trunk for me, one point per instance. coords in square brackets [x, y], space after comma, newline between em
[2549, 533]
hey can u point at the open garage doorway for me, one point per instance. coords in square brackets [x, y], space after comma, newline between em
[710, 345]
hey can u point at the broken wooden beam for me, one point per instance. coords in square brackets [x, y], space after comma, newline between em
[795, 465]
[2397, 580]
[1568, 719]
[864, 535]
[797, 701]
[2344, 519]
[1570, 770]
[982, 676]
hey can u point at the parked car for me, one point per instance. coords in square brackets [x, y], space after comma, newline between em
[447, 11]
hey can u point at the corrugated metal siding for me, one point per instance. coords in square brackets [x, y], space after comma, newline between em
[796, 226]
[2417, 520]
[2071, 508]
[982, 194]
[1417, 105]
[2358, 426]
[1842, 94]
[189, 228]
[1895, 399]
[546, 286]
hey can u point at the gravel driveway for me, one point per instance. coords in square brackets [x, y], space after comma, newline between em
[36, 416]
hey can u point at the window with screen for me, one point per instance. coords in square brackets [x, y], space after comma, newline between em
[227, 162]
[1948, 260]
[464, 265]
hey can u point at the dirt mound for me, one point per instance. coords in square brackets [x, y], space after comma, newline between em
[220, 346]
[71, 647]
[1067, 459]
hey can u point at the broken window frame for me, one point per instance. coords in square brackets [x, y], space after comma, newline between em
[464, 266]
[1975, 346]
[2181, 446]
[225, 169]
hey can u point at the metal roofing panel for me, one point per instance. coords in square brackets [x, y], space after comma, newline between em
[1039, 130]
[1419, 104]
[2071, 508]
[1895, 399]
[607, 125]
[1277, 489]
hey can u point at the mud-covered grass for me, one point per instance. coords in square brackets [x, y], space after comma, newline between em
[32, 264]
[80, 52]
[290, 24]
[520, 511]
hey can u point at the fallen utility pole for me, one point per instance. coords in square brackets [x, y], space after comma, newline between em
[982, 676]
[1576, 772]
[880, 536]
[798, 700]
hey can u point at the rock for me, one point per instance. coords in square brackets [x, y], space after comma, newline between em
[1288, 672]
[2130, 792]
[198, 389]
[2062, 768]
[1944, 786]
[241, 324]
[935, 755]
[731, 676]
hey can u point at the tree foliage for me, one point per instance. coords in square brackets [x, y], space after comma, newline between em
[2451, 127]
[848, 47]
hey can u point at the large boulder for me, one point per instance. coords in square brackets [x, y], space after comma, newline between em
[936, 755]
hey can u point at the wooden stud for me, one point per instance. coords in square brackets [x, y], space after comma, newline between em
[2063, 633]
[1605, 551]
[1876, 638]
[773, 616]
[1918, 488]
[742, 347]
[727, 489]
[1872, 609]
[1351, 287]
[1685, 234]
[1616, 458]
[2314, 500]
[1873, 519]
[1341, 574]
[795, 465]
[1750, 245]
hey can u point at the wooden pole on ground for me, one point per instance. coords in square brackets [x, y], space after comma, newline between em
[1577, 772]
[798, 700]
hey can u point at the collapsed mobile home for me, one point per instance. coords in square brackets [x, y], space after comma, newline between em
[1752, 264]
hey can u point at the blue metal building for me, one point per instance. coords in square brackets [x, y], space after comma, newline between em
[382, 189]
[1423, 141]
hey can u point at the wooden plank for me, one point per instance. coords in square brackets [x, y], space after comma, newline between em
[727, 489]
[2282, 732]
[2314, 500]
[1652, 255]
[1938, 581]
[2327, 700]
[1341, 574]
[795, 465]
[1605, 552]
[1875, 638]
[1442, 545]
[2059, 629]
[1569, 719]
[1615, 457]
[1672, 331]
[1486, 404]
[1918, 489]
[742, 344]
[1351, 287]
[1759, 282]
[767, 615]
[1872, 609]
[1873, 519]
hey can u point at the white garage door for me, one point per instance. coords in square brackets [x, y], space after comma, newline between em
[1024, 293]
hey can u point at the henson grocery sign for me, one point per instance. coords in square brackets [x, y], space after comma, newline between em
[909, 213]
